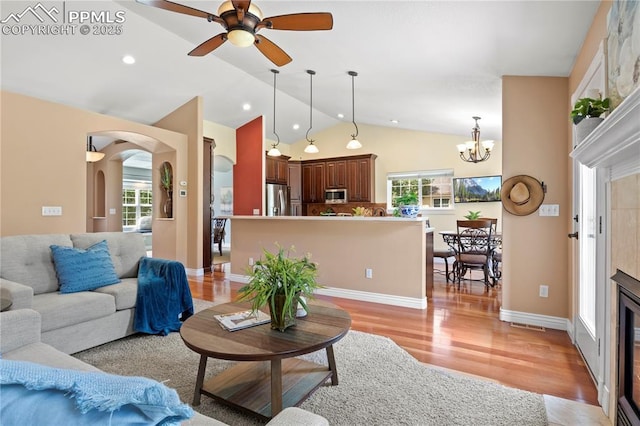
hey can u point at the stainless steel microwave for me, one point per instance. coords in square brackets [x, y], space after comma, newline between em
[335, 196]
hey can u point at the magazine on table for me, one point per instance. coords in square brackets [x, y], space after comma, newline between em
[243, 319]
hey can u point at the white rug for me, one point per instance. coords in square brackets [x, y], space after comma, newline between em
[380, 384]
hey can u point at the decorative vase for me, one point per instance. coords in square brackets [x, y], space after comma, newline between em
[281, 320]
[167, 207]
[586, 126]
[409, 211]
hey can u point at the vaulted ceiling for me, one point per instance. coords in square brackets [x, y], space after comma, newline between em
[430, 65]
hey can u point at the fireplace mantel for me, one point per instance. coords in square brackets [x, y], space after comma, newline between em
[615, 144]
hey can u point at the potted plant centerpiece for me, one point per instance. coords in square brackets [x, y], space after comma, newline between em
[472, 215]
[408, 204]
[586, 115]
[281, 282]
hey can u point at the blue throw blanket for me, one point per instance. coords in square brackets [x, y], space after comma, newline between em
[164, 298]
[34, 394]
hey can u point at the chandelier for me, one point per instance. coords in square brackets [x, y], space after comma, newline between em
[471, 151]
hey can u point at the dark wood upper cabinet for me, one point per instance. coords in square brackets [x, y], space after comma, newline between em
[355, 173]
[295, 181]
[277, 170]
[336, 172]
[361, 178]
[313, 182]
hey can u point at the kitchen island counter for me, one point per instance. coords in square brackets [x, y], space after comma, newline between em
[376, 259]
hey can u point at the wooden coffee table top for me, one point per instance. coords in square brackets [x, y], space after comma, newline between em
[324, 325]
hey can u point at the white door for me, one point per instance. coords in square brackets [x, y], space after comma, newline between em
[586, 338]
[590, 293]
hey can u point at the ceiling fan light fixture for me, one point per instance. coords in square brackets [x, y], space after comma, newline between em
[241, 38]
[227, 6]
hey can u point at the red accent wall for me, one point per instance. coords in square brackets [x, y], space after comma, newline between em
[248, 183]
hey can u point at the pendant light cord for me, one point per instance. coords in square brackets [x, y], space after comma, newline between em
[353, 74]
[275, 73]
[311, 73]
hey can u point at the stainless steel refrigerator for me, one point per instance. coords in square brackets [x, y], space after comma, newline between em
[278, 200]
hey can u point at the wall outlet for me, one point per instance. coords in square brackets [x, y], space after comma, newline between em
[256, 212]
[251, 261]
[112, 211]
[368, 273]
[51, 211]
[544, 291]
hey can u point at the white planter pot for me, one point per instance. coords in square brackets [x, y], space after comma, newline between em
[586, 126]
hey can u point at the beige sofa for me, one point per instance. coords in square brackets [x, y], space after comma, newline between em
[20, 332]
[76, 321]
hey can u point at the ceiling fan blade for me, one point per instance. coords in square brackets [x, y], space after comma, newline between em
[300, 21]
[209, 46]
[179, 8]
[273, 53]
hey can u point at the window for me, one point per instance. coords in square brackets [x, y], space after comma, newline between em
[434, 188]
[137, 202]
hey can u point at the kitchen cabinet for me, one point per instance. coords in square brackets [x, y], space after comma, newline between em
[361, 178]
[295, 181]
[313, 182]
[336, 174]
[277, 170]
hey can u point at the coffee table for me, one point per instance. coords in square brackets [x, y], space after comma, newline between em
[269, 378]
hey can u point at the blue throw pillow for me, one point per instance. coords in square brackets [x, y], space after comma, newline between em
[82, 270]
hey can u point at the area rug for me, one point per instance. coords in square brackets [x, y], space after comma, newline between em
[380, 384]
[218, 259]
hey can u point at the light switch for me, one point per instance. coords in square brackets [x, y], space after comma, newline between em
[51, 211]
[549, 210]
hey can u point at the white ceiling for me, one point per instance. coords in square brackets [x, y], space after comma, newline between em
[431, 65]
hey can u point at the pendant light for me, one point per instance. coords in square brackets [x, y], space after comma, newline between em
[471, 151]
[311, 148]
[274, 151]
[92, 154]
[353, 143]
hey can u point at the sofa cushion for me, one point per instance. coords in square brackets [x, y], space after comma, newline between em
[61, 310]
[82, 270]
[26, 259]
[125, 293]
[126, 249]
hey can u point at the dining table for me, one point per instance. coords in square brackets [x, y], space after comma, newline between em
[451, 239]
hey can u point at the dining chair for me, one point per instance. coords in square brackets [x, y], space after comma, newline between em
[219, 232]
[474, 249]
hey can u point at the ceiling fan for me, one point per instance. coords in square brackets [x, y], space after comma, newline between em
[242, 20]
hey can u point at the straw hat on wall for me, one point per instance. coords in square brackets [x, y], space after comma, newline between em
[521, 195]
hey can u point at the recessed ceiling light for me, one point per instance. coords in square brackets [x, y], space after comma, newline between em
[340, 115]
[128, 59]
[394, 121]
[296, 126]
[246, 107]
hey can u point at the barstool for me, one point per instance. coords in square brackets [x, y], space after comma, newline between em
[444, 254]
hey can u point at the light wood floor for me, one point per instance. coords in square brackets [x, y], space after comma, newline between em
[460, 330]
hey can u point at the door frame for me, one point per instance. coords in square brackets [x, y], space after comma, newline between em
[595, 78]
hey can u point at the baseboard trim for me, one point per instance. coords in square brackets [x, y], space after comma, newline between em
[363, 296]
[195, 272]
[547, 321]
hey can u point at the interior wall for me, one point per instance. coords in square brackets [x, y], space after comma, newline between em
[57, 175]
[535, 247]
[187, 119]
[248, 172]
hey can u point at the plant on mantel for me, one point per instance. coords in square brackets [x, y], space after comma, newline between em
[589, 108]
